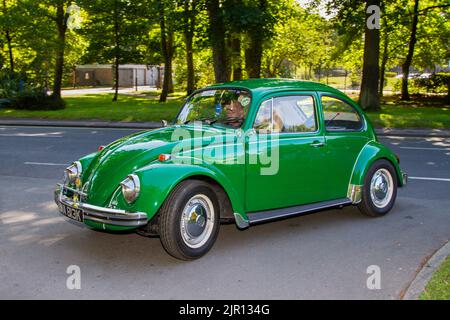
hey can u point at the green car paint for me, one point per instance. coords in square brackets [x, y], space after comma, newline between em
[305, 175]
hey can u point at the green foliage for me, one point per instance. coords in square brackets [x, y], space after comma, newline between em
[437, 83]
[23, 95]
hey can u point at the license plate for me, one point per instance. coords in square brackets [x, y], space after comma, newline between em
[71, 212]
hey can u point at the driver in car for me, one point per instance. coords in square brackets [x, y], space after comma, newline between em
[235, 113]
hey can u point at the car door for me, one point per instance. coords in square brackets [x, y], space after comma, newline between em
[345, 136]
[285, 154]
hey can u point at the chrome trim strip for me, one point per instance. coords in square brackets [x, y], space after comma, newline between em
[294, 211]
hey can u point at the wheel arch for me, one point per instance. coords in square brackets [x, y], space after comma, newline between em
[370, 153]
[158, 182]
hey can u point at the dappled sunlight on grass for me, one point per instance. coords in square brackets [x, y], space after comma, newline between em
[392, 116]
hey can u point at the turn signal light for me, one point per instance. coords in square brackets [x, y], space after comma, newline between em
[100, 148]
[164, 157]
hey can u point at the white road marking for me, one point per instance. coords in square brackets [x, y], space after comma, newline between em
[45, 164]
[430, 179]
[34, 135]
[423, 148]
[76, 128]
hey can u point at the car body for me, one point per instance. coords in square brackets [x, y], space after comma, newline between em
[325, 154]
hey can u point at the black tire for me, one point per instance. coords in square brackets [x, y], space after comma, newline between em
[171, 213]
[367, 206]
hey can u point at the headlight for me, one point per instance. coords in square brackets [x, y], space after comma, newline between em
[73, 171]
[130, 188]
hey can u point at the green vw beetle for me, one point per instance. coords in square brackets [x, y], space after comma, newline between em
[248, 152]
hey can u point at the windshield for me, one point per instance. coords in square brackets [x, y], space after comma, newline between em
[225, 106]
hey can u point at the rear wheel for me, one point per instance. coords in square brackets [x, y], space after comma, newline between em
[189, 220]
[379, 190]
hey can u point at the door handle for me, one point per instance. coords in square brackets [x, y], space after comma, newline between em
[317, 144]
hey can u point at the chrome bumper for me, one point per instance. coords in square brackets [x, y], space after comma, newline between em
[115, 217]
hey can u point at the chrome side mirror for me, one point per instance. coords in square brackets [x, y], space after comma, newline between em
[164, 123]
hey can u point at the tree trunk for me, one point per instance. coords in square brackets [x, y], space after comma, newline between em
[189, 14]
[116, 50]
[253, 55]
[368, 96]
[412, 42]
[9, 41]
[61, 24]
[236, 57]
[10, 52]
[384, 60]
[217, 38]
[167, 51]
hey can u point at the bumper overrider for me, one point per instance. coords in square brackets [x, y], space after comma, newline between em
[96, 214]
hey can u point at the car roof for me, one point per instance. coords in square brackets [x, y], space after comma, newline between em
[267, 85]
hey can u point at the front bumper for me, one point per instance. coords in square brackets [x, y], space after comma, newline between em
[102, 215]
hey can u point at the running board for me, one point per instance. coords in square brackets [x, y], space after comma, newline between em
[269, 215]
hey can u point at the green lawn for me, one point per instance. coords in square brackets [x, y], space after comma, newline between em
[439, 286]
[100, 107]
[411, 117]
[133, 108]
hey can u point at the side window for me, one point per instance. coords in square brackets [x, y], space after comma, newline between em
[287, 114]
[339, 115]
[294, 114]
[263, 119]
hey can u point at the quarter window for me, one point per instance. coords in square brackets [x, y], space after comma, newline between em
[339, 115]
[287, 114]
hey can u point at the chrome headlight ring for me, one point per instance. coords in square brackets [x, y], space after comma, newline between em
[73, 172]
[130, 188]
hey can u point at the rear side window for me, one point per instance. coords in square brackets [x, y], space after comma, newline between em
[339, 115]
[287, 114]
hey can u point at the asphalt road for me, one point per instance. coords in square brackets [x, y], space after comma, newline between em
[319, 256]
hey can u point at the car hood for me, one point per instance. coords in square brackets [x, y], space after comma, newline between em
[126, 155]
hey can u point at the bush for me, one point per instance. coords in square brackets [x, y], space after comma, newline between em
[17, 94]
[437, 83]
[36, 100]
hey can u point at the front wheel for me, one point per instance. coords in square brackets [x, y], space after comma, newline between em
[189, 220]
[379, 190]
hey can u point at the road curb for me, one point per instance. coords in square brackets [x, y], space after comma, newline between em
[419, 133]
[424, 275]
[80, 124]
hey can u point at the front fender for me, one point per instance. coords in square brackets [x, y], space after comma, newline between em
[370, 153]
[158, 180]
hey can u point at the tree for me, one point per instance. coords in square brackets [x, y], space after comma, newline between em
[217, 36]
[368, 97]
[412, 42]
[166, 48]
[7, 20]
[115, 32]
[190, 11]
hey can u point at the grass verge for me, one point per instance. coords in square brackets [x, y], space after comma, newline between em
[439, 286]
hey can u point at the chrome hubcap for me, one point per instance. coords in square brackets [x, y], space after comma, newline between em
[381, 188]
[197, 221]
